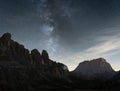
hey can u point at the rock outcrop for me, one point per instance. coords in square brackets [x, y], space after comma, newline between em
[96, 67]
[36, 56]
[15, 54]
[22, 70]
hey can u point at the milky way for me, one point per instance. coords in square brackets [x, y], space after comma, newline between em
[71, 30]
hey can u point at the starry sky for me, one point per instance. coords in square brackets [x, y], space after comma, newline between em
[70, 30]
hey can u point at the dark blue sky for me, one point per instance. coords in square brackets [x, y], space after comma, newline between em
[71, 30]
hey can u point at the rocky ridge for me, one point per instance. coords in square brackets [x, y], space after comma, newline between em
[21, 69]
[13, 54]
[95, 67]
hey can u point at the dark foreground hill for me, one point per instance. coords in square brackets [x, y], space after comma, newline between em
[24, 70]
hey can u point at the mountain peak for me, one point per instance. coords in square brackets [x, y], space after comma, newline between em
[95, 66]
[6, 35]
[99, 60]
[13, 54]
[5, 39]
[45, 55]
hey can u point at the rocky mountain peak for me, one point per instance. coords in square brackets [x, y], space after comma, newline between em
[36, 56]
[35, 52]
[6, 36]
[5, 39]
[45, 54]
[15, 54]
[99, 60]
[93, 67]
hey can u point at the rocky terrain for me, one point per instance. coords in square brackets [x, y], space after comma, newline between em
[24, 70]
[95, 68]
[13, 54]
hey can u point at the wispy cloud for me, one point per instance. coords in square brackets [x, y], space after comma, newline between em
[107, 47]
[99, 50]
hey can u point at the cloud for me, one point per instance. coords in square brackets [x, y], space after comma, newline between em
[105, 47]
[71, 30]
[108, 46]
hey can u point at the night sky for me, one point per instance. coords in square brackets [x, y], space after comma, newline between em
[70, 30]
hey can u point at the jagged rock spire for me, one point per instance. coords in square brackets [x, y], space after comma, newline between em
[36, 56]
[13, 54]
[45, 55]
[6, 38]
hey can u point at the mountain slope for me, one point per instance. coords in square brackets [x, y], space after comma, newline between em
[21, 69]
[94, 68]
[24, 70]
[15, 54]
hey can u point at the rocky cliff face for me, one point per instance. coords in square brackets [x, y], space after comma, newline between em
[13, 54]
[21, 69]
[96, 67]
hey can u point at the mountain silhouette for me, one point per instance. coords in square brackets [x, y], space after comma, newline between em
[17, 55]
[95, 68]
[21, 69]
[20, 66]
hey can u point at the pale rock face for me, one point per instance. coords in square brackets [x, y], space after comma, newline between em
[94, 67]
